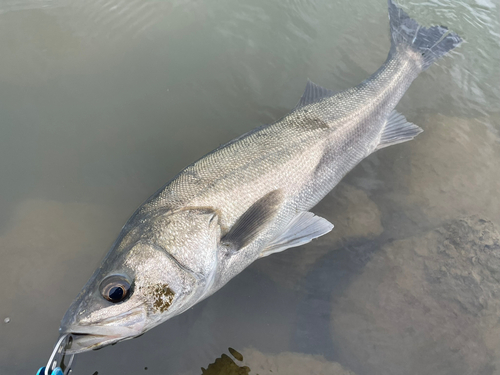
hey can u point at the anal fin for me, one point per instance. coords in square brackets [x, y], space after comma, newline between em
[301, 230]
[397, 130]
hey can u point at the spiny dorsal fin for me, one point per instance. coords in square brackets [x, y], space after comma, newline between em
[313, 94]
[301, 230]
[397, 130]
[254, 220]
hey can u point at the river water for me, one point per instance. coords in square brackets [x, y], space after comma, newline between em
[102, 102]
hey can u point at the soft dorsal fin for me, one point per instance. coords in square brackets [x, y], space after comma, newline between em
[313, 94]
[301, 230]
[254, 220]
[397, 130]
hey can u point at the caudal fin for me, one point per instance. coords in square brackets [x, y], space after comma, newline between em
[431, 43]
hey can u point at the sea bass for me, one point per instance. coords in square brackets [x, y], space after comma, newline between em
[249, 198]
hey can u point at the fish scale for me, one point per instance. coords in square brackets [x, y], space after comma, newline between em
[354, 116]
[249, 198]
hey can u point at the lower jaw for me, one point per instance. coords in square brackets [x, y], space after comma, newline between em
[80, 343]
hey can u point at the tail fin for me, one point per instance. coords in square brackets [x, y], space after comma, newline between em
[431, 43]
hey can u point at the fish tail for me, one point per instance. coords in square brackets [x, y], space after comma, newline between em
[431, 43]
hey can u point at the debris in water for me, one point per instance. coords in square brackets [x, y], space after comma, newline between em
[236, 354]
[6, 320]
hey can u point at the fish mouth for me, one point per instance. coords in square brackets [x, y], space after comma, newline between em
[85, 337]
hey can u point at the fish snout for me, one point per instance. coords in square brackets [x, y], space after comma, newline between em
[89, 334]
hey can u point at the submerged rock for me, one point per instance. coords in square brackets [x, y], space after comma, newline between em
[428, 304]
[352, 212]
[286, 363]
[453, 170]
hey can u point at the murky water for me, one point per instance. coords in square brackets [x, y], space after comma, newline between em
[102, 102]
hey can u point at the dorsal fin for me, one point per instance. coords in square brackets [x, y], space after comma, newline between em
[313, 94]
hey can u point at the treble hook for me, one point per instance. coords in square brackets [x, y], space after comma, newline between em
[55, 364]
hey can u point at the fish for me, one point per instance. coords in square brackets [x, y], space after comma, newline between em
[249, 198]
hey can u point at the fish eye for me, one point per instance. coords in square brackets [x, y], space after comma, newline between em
[115, 288]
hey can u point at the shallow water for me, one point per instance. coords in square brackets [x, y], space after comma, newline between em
[102, 102]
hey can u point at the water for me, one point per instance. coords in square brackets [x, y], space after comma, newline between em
[103, 102]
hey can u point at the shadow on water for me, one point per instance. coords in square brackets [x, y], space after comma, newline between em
[326, 281]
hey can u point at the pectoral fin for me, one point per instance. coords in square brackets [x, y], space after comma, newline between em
[254, 220]
[302, 229]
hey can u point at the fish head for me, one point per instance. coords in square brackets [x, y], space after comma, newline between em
[140, 284]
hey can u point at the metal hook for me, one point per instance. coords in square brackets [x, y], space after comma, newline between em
[59, 351]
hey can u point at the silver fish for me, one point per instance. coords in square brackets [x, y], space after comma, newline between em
[249, 198]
